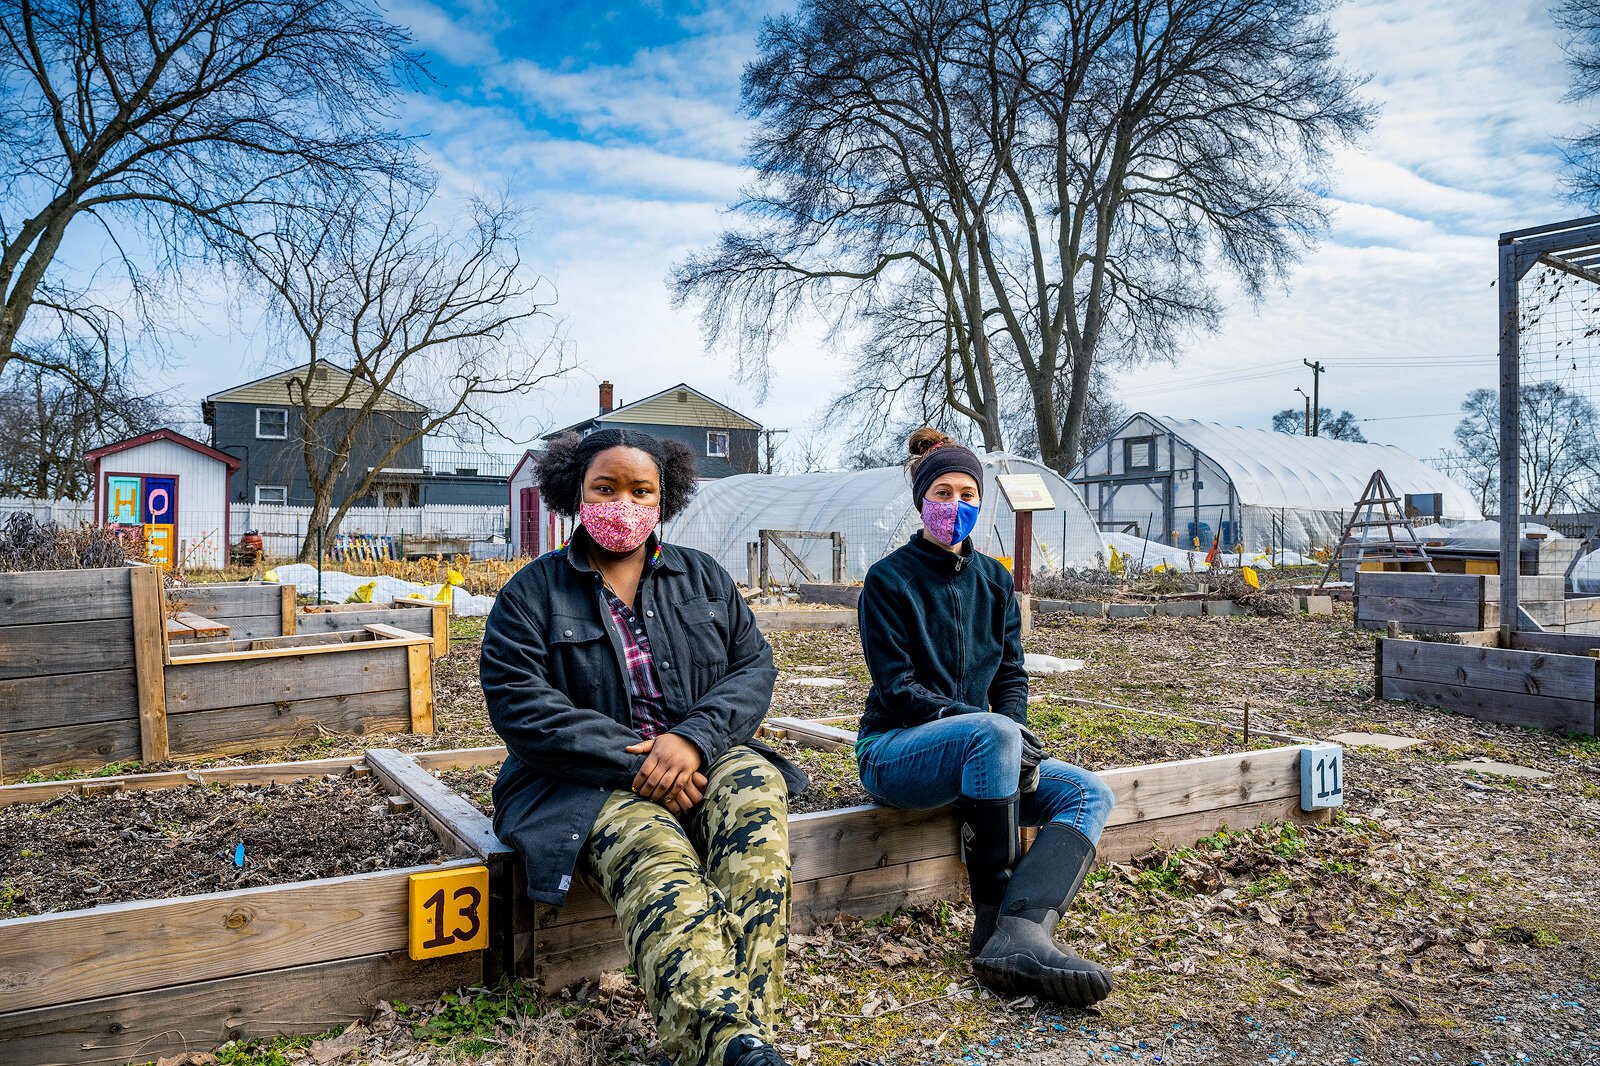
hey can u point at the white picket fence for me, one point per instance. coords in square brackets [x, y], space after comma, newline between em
[283, 527]
[64, 512]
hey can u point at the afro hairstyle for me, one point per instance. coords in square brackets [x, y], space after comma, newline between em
[565, 461]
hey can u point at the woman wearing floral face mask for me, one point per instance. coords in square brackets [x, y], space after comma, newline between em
[627, 678]
[946, 723]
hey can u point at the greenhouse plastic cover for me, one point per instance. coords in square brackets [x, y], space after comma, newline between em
[872, 508]
[1270, 469]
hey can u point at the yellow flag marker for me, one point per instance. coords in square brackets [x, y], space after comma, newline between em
[1118, 566]
[1250, 577]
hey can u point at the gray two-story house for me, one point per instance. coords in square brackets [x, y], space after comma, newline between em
[262, 424]
[724, 441]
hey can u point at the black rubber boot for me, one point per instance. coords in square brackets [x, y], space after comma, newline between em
[1022, 957]
[989, 846]
[750, 1050]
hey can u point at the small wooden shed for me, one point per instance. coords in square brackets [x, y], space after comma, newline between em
[171, 487]
[535, 529]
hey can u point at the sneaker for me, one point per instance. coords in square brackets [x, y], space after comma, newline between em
[748, 1050]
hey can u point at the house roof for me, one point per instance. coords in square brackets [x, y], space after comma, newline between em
[328, 384]
[168, 435]
[679, 405]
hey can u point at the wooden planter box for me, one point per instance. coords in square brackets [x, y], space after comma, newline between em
[428, 617]
[864, 861]
[1544, 680]
[87, 676]
[248, 609]
[1467, 602]
[141, 980]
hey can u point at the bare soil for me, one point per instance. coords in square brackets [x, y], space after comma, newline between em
[84, 851]
[1445, 916]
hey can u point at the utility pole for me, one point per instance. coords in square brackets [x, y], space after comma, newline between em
[1302, 392]
[769, 434]
[1316, 395]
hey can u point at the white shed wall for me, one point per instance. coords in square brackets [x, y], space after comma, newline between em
[202, 496]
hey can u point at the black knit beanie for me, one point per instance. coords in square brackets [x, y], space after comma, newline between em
[945, 459]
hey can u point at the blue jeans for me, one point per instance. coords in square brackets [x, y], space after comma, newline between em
[979, 756]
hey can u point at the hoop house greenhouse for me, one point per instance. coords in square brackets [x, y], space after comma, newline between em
[1176, 480]
[872, 508]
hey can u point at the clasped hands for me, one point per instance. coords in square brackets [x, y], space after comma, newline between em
[671, 773]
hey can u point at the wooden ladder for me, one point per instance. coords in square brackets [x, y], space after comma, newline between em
[1373, 510]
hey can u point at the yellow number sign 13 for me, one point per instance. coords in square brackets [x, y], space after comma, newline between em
[449, 911]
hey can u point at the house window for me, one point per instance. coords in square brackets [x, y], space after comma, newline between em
[275, 495]
[717, 443]
[1424, 504]
[272, 423]
[1139, 453]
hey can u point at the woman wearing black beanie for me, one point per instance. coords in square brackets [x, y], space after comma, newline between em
[946, 722]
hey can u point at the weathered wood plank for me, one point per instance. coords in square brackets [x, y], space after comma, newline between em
[149, 656]
[255, 774]
[226, 648]
[68, 747]
[1441, 614]
[1122, 842]
[377, 640]
[1489, 705]
[47, 596]
[211, 681]
[1161, 790]
[451, 813]
[869, 893]
[68, 699]
[822, 843]
[261, 726]
[1569, 677]
[47, 649]
[133, 947]
[1559, 643]
[419, 675]
[286, 610]
[417, 620]
[244, 598]
[144, 1026]
[1582, 610]
[460, 758]
[1378, 584]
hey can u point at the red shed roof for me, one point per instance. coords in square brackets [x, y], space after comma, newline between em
[165, 434]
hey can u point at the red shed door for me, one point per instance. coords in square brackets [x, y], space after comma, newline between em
[529, 523]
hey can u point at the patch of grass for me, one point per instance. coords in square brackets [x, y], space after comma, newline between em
[469, 629]
[110, 769]
[274, 1052]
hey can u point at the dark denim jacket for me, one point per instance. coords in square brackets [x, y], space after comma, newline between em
[556, 684]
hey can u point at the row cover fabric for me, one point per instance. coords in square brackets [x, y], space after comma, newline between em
[873, 509]
[337, 587]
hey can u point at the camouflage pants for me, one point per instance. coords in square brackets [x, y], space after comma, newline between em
[703, 903]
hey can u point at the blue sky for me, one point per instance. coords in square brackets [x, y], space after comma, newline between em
[616, 125]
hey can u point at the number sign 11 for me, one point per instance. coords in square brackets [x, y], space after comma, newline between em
[1321, 777]
[449, 912]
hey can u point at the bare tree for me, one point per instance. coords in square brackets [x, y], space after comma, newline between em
[1560, 452]
[170, 120]
[1580, 20]
[989, 195]
[1344, 426]
[406, 310]
[49, 424]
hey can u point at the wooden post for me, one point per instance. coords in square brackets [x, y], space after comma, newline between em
[1022, 553]
[149, 661]
[766, 562]
[288, 609]
[419, 671]
[752, 560]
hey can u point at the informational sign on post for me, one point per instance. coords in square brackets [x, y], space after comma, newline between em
[1026, 492]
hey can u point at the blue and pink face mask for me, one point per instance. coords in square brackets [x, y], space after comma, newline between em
[949, 521]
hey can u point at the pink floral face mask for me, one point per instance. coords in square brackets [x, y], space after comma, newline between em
[619, 526]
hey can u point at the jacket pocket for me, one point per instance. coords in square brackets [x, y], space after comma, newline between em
[568, 630]
[704, 633]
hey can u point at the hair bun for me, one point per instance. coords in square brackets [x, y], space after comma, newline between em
[925, 440]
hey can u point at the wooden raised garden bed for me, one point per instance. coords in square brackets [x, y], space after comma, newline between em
[869, 860]
[141, 980]
[1544, 680]
[250, 610]
[88, 676]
